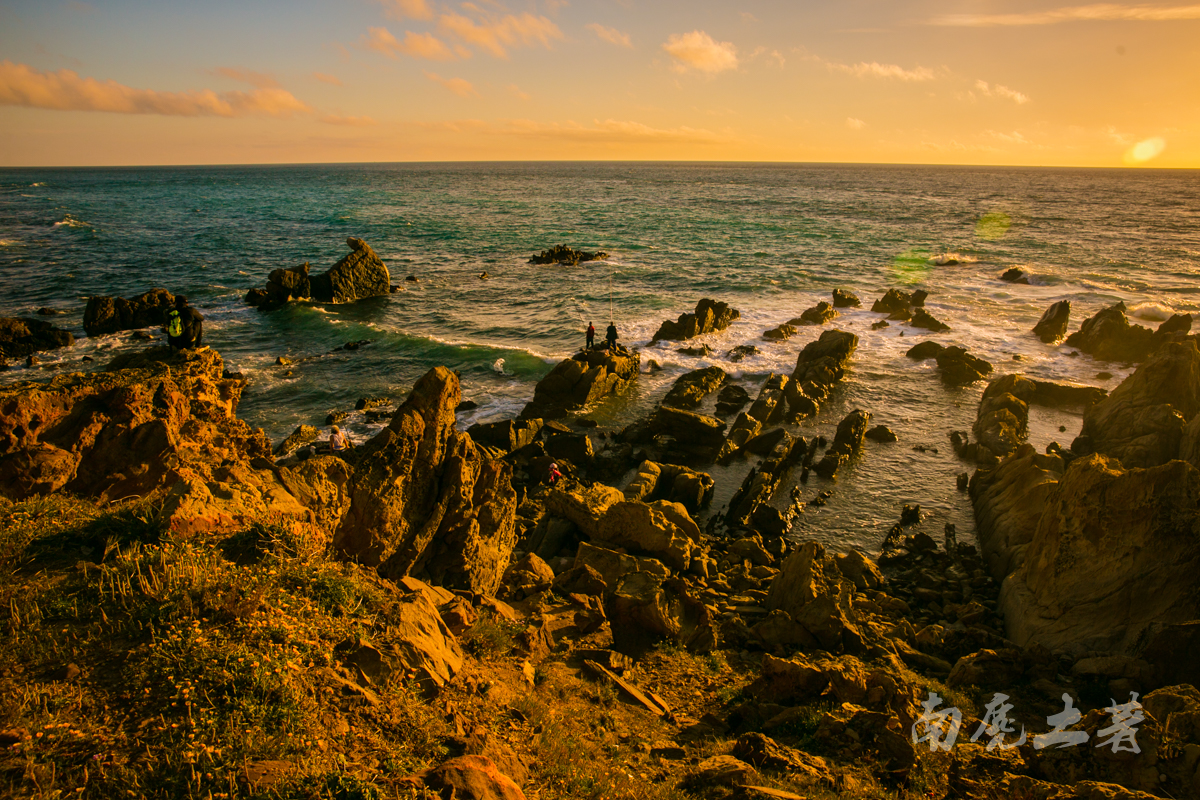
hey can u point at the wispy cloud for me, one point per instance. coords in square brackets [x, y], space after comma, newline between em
[996, 90]
[772, 55]
[407, 9]
[1090, 13]
[459, 86]
[612, 131]
[260, 80]
[855, 124]
[517, 92]
[356, 122]
[332, 80]
[877, 70]
[495, 34]
[697, 50]
[65, 90]
[610, 35]
[416, 45]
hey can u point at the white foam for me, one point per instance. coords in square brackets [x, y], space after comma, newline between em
[498, 367]
[1149, 310]
[71, 222]
[951, 259]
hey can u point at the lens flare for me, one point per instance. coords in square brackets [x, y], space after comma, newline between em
[993, 225]
[911, 266]
[1146, 150]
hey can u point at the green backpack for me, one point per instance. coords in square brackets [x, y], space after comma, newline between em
[175, 326]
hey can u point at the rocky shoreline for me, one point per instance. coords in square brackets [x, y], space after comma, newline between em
[1082, 586]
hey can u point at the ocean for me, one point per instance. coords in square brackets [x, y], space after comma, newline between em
[770, 239]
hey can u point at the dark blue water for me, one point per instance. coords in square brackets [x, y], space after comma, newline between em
[770, 239]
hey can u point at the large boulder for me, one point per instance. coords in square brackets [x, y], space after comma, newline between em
[819, 314]
[1053, 324]
[692, 387]
[710, 315]
[359, 275]
[653, 481]
[1110, 336]
[152, 419]
[959, 368]
[661, 530]
[811, 590]
[111, 314]
[425, 501]
[1009, 501]
[1142, 422]
[581, 380]
[1115, 553]
[23, 337]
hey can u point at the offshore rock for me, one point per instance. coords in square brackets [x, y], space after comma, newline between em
[357, 276]
[845, 299]
[111, 314]
[561, 254]
[424, 501]
[1143, 421]
[1109, 335]
[959, 368]
[1053, 324]
[923, 319]
[585, 378]
[819, 367]
[709, 316]
[1115, 553]
[846, 442]
[20, 338]
[819, 314]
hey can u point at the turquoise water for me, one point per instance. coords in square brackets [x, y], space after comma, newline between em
[771, 240]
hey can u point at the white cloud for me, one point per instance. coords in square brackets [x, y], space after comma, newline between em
[697, 50]
[416, 45]
[855, 124]
[1090, 13]
[459, 86]
[610, 35]
[495, 34]
[877, 70]
[997, 90]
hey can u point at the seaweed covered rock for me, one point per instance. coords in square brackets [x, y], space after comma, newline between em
[112, 314]
[583, 379]
[562, 254]
[23, 337]
[709, 316]
[357, 276]
[425, 501]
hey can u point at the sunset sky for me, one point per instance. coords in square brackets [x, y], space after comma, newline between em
[1024, 82]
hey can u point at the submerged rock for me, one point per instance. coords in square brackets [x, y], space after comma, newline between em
[710, 315]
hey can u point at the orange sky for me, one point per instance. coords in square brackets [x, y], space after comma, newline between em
[911, 81]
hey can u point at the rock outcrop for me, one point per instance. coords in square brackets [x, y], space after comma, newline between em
[1142, 422]
[813, 594]
[845, 299]
[561, 254]
[1109, 336]
[691, 489]
[690, 389]
[581, 380]
[359, 275]
[819, 367]
[819, 314]
[846, 442]
[20, 338]
[424, 501]
[112, 314]
[1053, 324]
[709, 316]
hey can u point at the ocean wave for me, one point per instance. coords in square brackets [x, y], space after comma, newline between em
[951, 260]
[1155, 312]
[39, 183]
[71, 222]
[8, 242]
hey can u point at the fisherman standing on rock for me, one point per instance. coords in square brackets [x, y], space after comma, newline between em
[611, 335]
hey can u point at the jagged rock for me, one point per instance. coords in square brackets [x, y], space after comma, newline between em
[357, 276]
[1143, 421]
[893, 301]
[152, 419]
[812, 592]
[302, 436]
[692, 387]
[611, 566]
[767, 408]
[846, 442]
[321, 484]
[923, 319]
[1109, 335]
[508, 435]
[585, 506]
[722, 771]
[1009, 501]
[1014, 275]
[709, 316]
[764, 752]
[646, 608]
[845, 299]
[1002, 421]
[1053, 324]
[425, 500]
[661, 530]
[736, 354]
[1114, 554]
[730, 399]
[819, 367]
[693, 490]
[562, 254]
[527, 576]
[573, 447]
[111, 314]
[469, 777]
[780, 333]
[819, 314]
[687, 428]
[583, 379]
[959, 368]
[20, 338]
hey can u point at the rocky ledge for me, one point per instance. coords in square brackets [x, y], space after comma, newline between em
[561, 254]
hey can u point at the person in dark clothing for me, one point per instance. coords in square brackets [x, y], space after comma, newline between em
[611, 336]
[185, 326]
[591, 337]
